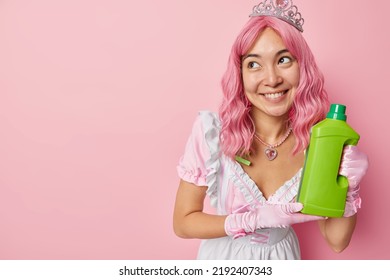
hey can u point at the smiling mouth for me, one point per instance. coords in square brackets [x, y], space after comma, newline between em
[274, 95]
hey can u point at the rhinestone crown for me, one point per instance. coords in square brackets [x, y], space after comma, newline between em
[282, 9]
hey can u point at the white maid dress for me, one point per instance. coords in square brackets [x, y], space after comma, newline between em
[231, 190]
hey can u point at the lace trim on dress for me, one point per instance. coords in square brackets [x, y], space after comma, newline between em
[288, 191]
[196, 178]
[247, 186]
[252, 193]
[211, 128]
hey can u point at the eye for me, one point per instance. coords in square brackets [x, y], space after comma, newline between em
[285, 59]
[253, 65]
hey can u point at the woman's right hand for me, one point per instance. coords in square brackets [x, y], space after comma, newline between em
[266, 216]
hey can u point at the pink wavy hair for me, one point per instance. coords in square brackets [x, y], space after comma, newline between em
[310, 104]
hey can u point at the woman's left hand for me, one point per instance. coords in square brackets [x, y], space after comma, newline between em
[354, 165]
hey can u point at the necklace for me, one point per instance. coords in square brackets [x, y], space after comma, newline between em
[271, 151]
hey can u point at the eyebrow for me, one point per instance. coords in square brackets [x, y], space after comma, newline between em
[259, 56]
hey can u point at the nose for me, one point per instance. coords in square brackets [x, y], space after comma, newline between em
[272, 77]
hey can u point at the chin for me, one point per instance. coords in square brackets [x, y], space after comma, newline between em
[278, 112]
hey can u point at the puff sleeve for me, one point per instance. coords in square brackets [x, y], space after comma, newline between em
[201, 159]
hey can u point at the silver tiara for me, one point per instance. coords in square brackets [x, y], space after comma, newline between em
[282, 9]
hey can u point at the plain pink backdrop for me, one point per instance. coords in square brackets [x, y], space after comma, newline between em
[97, 99]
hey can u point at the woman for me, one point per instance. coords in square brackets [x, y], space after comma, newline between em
[249, 158]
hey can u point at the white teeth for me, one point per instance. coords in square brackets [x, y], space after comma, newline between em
[273, 95]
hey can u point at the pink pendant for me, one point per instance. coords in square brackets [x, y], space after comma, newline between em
[271, 153]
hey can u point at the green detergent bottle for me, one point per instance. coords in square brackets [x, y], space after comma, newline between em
[322, 190]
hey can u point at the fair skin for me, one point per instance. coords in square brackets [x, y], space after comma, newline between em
[270, 76]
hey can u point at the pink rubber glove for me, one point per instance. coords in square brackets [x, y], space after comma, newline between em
[266, 216]
[353, 165]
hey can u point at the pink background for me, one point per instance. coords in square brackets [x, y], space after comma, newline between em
[97, 99]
